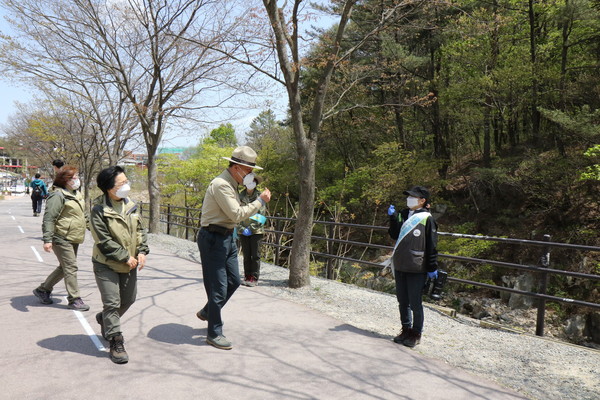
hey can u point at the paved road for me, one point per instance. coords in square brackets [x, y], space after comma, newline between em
[282, 350]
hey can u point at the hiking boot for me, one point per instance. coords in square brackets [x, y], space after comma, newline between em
[220, 342]
[402, 336]
[413, 339]
[78, 305]
[202, 315]
[100, 320]
[43, 295]
[118, 355]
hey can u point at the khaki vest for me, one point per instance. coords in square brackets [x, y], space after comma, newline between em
[71, 223]
[123, 230]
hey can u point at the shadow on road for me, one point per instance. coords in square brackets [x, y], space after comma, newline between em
[178, 334]
[79, 344]
[22, 303]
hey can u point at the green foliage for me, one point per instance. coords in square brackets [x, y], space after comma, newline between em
[223, 136]
[184, 182]
[465, 247]
[592, 172]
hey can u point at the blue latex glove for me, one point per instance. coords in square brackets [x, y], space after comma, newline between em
[432, 275]
[391, 210]
[247, 232]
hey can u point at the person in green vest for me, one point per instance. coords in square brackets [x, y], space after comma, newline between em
[251, 231]
[414, 258]
[63, 228]
[119, 252]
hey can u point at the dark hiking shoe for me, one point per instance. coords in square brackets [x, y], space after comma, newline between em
[118, 355]
[78, 305]
[101, 322]
[43, 295]
[202, 315]
[402, 336]
[412, 340]
[220, 342]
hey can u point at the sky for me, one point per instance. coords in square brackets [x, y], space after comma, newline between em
[12, 91]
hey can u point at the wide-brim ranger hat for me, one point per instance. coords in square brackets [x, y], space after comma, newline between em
[244, 155]
[418, 191]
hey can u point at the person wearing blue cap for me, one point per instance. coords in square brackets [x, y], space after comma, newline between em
[414, 258]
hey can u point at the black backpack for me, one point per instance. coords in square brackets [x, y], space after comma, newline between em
[36, 191]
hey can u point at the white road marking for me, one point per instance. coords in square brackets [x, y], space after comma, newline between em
[37, 255]
[21, 229]
[13, 217]
[88, 329]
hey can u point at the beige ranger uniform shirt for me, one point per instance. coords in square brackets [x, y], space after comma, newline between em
[222, 205]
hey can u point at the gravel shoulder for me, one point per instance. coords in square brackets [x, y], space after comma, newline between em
[537, 367]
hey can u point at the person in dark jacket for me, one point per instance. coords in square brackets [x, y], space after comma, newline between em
[63, 231]
[38, 193]
[413, 259]
[250, 233]
[120, 249]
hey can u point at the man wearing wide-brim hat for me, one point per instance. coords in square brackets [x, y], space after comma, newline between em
[221, 212]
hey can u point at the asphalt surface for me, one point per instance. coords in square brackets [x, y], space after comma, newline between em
[282, 350]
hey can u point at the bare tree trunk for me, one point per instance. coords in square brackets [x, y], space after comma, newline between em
[535, 114]
[153, 193]
[300, 255]
[486, 136]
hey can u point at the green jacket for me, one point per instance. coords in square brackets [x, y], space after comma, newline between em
[254, 226]
[64, 217]
[117, 236]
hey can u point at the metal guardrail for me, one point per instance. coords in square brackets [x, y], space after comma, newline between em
[191, 217]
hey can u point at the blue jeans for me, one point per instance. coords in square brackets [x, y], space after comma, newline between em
[221, 275]
[409, 292]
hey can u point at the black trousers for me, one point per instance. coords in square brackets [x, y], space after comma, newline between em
[409, 292]
[36, 203]
[251, 252]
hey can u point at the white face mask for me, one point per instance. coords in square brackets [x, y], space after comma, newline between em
[123, 191]
[75, 184]
[249, 181]
[412, 202]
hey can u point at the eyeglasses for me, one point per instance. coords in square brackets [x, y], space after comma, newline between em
[119, 185]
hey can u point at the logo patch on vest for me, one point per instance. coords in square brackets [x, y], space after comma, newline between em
[417, 233]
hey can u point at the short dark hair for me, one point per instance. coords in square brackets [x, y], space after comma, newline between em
[106, 177]
[37, 175]
[63, 176]
[58, 163]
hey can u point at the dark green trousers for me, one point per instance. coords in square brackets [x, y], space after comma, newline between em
[66, 253]
[118, 292]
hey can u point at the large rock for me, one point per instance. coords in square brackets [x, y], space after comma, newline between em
[575, 327]
[525, 282]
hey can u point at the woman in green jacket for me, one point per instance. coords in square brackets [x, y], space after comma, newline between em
[63, 230]
[120, 248]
